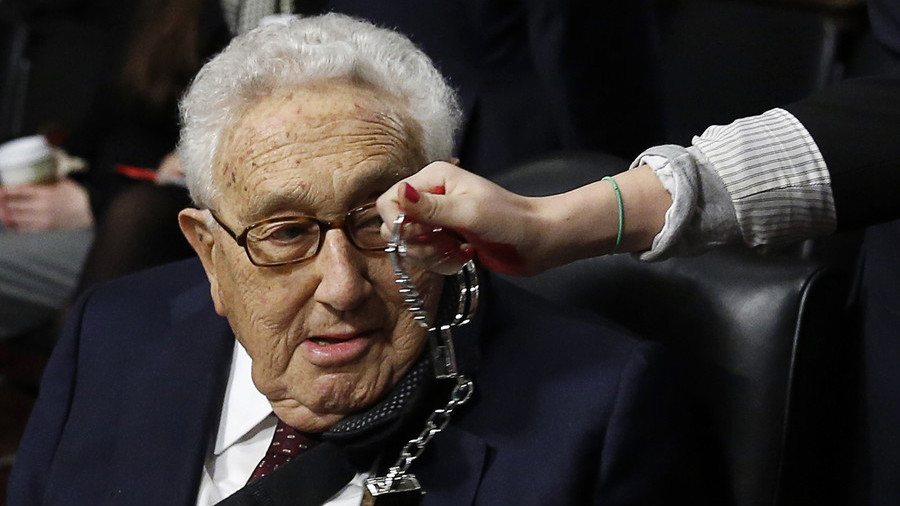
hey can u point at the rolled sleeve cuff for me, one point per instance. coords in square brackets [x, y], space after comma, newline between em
[760, 180]
[779, 184]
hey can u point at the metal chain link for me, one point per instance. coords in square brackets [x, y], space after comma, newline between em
[397, 480]
[436, 422]
[467, 278]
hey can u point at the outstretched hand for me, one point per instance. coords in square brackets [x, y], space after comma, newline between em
[453, 216]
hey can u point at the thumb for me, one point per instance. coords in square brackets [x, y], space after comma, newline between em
[429, 207]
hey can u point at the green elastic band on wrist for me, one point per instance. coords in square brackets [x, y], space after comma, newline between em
[621, 231]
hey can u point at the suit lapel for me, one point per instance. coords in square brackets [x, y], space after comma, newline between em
[180, 380]
[451, 468]
[452, 465]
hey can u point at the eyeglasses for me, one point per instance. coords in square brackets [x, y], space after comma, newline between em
[282, 241]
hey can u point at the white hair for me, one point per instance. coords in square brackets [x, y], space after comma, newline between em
[294, 52]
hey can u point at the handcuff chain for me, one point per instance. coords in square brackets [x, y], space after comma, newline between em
[467, 278]
[439, 419]
[436, 422]
[396, 250]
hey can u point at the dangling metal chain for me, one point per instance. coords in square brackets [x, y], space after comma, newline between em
[436, 422]
[467, 278]
[439, 336]
[396, 250]
[397, 479]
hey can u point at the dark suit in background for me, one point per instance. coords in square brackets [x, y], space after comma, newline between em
[857, 128]
[856, 125]
[565, 410]
[536, 76]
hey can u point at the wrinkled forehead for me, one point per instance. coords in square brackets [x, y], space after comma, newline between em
[317, 149]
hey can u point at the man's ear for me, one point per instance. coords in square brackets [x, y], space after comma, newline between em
[194, 226]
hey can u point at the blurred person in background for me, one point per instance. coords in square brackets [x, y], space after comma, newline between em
[112, 208]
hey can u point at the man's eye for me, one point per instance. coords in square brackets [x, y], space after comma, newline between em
[369, 222]
[288, 232]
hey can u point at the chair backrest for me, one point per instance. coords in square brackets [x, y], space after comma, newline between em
[763, 337]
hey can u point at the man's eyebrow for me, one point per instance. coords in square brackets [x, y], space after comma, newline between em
[273, 203]
[367, 186]
[380, 179]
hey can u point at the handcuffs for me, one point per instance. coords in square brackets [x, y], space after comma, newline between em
[398, 486]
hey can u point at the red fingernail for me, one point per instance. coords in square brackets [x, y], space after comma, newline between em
[468, 252]
[410, 193]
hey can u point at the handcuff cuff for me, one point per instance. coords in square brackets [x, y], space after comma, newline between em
[399, 486]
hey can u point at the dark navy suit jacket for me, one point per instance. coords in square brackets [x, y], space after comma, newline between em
[566, 410]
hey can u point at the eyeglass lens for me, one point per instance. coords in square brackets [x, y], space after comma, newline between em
[295, 239]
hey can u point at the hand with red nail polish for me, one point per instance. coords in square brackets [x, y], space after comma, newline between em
[409, 193]
[458, 216]
[455, 216]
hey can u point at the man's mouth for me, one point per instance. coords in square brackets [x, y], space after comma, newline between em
[327, 341]
[334, 350]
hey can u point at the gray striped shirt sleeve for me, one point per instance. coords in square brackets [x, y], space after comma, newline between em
[760, 180]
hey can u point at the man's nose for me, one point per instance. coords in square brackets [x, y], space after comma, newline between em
[344, 282]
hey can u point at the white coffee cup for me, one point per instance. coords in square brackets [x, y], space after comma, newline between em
[27, 160]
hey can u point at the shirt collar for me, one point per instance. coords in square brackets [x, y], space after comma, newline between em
[245, 408]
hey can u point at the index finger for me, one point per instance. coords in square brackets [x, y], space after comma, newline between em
[399, 197]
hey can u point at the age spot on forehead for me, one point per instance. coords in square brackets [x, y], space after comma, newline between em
[326, 134]
[226, 172]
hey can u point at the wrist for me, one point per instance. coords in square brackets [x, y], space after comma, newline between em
[578, 224]
[646, 202]
[585, 222]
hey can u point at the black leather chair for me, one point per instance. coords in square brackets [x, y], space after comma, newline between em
[764, 337]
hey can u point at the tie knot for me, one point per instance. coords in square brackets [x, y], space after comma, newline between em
[287, 443]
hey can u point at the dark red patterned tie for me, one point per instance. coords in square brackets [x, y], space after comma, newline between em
[287, 443]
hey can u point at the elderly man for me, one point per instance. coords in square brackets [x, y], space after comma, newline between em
[152, 397]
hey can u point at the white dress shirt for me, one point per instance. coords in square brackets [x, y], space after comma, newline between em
[246, 427]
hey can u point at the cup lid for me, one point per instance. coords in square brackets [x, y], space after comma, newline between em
[24, 150]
